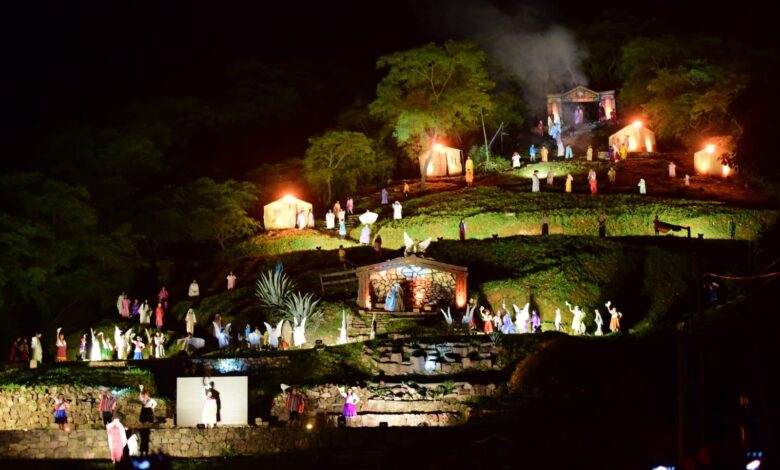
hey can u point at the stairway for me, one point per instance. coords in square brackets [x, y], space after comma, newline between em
[360, 323]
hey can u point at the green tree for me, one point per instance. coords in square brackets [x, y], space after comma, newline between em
[203, 211]
[641, 61]
[56, 263]
[689, 102]
[432, 92]
[341, 159]
[218, 211]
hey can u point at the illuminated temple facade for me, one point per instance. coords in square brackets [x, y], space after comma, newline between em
[426, 284]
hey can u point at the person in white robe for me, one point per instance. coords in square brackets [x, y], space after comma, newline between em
[642, 186]
[397, 210]
[159, 345]
[599, 322]
[194, 290]
[672, 170]
[550, 177]
[95, 351]
[576, 321]
[343, 329]
[299, 332]
[37, 349]
[330, 220]
[119, 302]
[561, 151]
[255, 339]
[231, 281]
[365, 235]
[557, 319]
[121, 343]
[222, 335]
[300, 221]
[209, 412]
[191, 320]
[515, 160]
[535, 182]
[132, 445]
[145, 313]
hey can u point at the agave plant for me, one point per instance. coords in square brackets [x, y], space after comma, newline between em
[272, 290]
[300, 310]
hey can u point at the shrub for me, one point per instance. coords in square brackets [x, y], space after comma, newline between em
[273, 289]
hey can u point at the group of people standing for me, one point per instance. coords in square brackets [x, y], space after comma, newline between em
[341, 214]
[525, 321]
[143, 311]
[107, 406]
[295, 403]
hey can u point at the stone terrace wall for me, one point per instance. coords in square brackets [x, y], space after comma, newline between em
[32, 407]
[88, 444]
[401, 358]
[436, 404]
[176, 442]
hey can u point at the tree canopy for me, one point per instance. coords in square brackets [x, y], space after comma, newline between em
[53, 254]
[432, 93]
[341, 159]
[684, 88]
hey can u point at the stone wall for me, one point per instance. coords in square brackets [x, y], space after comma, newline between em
[32, 407]
[401, 358]
[90, 444]
[176, 442]
[435, 404]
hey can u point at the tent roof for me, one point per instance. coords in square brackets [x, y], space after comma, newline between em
[630, 128]
[287, 200]
[412, 260]
[445, 149]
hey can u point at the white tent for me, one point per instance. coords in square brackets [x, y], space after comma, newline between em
[281, 213]
[640, 138]
[707, 161]
[445, 161]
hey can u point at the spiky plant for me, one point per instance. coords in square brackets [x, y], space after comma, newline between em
[272, 290]
[300, 307]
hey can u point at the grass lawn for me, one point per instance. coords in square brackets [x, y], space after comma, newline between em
[508, 212]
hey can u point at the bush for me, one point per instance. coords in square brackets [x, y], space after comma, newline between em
[273, 289]
[494, 165]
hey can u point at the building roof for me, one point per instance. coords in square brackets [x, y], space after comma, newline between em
[412, 260]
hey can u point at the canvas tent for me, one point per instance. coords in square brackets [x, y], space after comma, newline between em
[640, 138]
[281, 213]
[446, 161]
[707, 161]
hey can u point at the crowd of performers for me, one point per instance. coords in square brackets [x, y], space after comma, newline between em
[295, 403]
[129, 344]
[525, 320]
[119, 443]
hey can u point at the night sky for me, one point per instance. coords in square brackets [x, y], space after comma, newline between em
[86, 62]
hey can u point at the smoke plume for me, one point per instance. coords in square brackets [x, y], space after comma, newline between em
[543, 55]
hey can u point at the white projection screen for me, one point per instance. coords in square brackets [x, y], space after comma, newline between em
[232, 398]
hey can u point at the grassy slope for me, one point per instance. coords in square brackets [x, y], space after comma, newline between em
[583, 270]
[513, 210]
[547, 271]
